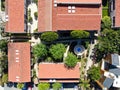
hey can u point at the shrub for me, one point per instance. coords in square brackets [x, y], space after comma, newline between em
[106, 22]
[80, 34]
[56, 86]
[5, 78]
[57, 51]
[35, 1]
[36, 30]
[20, 85]
[36, 15]
[43, 86]
[71, 60]
[3, 45]
[104, 12]
[49, 36]
[94, 73]
[49, 59]
[34, 73]
[1, 83]
[29, 12]
[30, 19]
[2, 5]
[39, 50]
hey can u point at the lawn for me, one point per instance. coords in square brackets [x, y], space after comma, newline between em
[104, 8]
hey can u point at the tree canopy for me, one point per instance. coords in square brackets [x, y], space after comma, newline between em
[80, 34]
[5, 78]
[3, 63]
[109, 41]
[3, 45]
[43, 86]
[57, 51]
[106, 22]
[39, 50]
[94, 73]
[71, 60]
[56, 86]
[49, 36]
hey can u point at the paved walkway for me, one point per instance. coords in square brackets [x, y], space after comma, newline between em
[36, 69]
[89, 60]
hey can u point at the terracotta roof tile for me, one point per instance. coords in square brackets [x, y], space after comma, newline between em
[78, 22]
[19, 62]
[58, 71]
[15, 11]
[86, 17]
[117, 13]
[80, 1]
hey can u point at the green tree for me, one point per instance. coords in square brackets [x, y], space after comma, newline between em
[49, 36]
[3, 63]
[20, 85]
[56, 86]
[71, 60]
[57, 51]
[1, 83]
[43, 86]
[109, 41]
[80, 34]
[5, 78]
[40, 50]
[84, 84]
[106, 22]
[94, 73]
[3, 45]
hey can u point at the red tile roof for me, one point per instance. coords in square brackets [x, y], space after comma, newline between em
[19, 62]
[77, 22]
[59, 72]
[117, 13]
[80, 1]
[86, 17]
[15, 11]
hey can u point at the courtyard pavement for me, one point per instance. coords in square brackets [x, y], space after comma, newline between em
[34, 25]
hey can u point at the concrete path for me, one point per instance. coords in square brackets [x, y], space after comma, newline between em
[89, 60]
[36, 69]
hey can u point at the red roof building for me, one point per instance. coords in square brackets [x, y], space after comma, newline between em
[115, 13]
[51, 72]
[19, 62]
[56, 15]
[15, 16]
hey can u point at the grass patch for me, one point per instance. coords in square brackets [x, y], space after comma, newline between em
[105, 11]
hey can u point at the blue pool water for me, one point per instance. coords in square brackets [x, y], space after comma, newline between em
[78, 49]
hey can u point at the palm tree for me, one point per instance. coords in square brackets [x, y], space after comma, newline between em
[84, 84]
